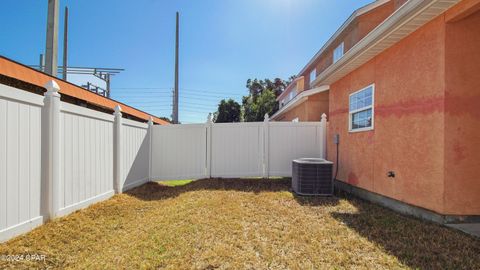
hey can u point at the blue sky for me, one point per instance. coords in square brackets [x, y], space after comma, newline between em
[223, 43]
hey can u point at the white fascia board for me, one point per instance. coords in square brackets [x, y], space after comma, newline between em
[342, 28]
[411, 16]
[299, 99]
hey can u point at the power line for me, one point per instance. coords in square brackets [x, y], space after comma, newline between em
[188, 90]
[142, 88]
[207, 90]
[203, 98]
[146, 99]
[164, 99]
[152, 93]
[170, 88]
[165, 102]
[169, 106]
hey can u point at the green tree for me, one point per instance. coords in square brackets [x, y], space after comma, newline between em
[262, 98]
[254, 109]
[166, 119]
[228, 111]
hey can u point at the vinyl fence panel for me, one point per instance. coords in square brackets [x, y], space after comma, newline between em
[234, 149]
[237, 150]
[135, 155]
[20, 161]
[179, 151]
[288, 141]
[86, 157]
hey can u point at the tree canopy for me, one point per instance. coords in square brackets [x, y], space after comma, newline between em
[261, 99]
[228, 111]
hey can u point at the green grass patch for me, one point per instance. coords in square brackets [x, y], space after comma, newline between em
[176, 183]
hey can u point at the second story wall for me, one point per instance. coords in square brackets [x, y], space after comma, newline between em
[351, 35]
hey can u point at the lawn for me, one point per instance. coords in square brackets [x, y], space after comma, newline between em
[240, 224]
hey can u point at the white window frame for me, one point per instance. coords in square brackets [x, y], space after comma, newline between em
[340, 47]
[372, 107]
[312, 78]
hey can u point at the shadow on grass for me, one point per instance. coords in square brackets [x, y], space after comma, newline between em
[417, 244]
[157, 191]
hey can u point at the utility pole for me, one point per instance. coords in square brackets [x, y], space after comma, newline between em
[175, 93]
[107, 82]
[42, 63]
[65, 45]
[52, 38]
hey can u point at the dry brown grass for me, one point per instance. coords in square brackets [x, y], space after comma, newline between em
[241, 224]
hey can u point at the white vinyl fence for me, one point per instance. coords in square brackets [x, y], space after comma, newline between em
[56, 157]
[178, 151]
[260, 149]
[135, 156]
[86, 157]
[20, 161]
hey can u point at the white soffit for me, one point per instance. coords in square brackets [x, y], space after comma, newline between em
[411, 16]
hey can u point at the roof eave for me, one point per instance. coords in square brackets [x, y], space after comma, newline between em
[342, 28]
[411, 16]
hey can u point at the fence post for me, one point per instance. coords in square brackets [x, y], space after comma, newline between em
[117, 150]
[150, 146]
[266, 139]
[52, 109]
[208, 165]
[323, 137]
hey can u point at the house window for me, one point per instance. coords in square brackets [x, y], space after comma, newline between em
[313, 76]
[361, 111]
[338, 52]
[292, 95]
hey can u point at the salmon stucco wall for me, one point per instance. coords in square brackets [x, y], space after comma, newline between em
[409, 121]
[310, 110]
[462, 116]
[316, 106]
[299, 111]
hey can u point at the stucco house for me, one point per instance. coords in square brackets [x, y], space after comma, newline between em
[400, 84]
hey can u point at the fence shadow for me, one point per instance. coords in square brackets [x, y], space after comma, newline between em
[138, 171]
[157, 191]
[417, 244]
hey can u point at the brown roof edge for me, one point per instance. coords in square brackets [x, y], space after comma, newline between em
[13, 69]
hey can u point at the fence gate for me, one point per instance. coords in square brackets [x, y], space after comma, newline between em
[258, 149]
